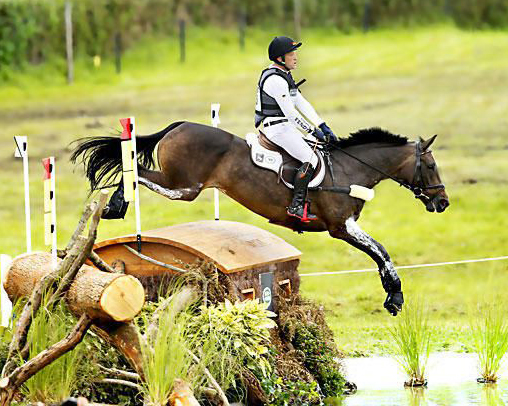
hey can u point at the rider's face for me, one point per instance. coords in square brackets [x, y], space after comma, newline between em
[290, 60]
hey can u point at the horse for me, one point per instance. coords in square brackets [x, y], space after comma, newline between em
[193, 157]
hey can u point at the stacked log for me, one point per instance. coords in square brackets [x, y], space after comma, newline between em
[102, 296]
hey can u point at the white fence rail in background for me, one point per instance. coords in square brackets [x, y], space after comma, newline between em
[466, 261]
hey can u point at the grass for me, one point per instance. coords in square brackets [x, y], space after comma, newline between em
[489, 330]
[415, 82]
[165, 356]
[56, 381]
[412, 338]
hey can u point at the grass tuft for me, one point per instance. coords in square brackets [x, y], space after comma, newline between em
[56, 381]
[412, 338]
[489, 330]
[165, 356]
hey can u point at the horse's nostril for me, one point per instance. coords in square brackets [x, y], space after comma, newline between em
[443, 204]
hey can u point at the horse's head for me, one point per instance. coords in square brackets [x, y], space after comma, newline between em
[423, 177]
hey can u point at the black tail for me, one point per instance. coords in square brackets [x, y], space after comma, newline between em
[102, 156]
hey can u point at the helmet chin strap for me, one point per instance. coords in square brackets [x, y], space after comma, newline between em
[283, 64]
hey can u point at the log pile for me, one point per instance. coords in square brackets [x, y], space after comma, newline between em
[94, 297]
[101, 295]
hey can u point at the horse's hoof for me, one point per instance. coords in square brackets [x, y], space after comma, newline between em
[394, 302]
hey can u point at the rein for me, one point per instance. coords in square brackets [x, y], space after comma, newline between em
[416, 186]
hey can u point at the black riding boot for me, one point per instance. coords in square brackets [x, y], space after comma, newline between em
[299, 207]
[117, 206]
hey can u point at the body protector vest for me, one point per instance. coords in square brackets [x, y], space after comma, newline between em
[266, 106]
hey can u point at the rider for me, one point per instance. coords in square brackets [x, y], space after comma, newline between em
[279, 108]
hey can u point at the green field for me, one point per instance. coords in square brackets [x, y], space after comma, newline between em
[415, 82]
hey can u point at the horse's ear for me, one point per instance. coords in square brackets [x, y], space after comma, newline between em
[428, 143]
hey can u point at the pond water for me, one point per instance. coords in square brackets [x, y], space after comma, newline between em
[451, 381]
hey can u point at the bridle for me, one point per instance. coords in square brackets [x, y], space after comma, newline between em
[416, 186]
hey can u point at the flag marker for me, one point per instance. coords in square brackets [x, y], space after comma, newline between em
[50, 206]
[130, 169]
[21, 151]
[215, 122]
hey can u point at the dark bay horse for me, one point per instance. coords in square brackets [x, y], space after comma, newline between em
[193, 157]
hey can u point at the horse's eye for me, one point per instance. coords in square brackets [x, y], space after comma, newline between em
[431, 166]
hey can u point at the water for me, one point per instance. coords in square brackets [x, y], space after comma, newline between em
[451, 381]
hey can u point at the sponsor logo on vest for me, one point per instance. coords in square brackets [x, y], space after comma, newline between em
[260, 157]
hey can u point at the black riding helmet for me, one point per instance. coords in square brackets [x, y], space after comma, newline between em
[280, 46]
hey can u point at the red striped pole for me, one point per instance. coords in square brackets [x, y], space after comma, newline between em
[130, 169]
[50, 206]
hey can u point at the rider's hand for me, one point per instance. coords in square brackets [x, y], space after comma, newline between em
[327, 131]
[319, 135]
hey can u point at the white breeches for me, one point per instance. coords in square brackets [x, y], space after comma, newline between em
[287, 136]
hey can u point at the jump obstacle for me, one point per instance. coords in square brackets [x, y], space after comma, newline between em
[259, 264]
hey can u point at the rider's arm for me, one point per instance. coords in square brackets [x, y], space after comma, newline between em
[307, 110]
[278, 88]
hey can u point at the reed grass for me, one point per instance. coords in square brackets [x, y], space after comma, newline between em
[165, 356]
[489, 331]
[58, 380]
[412, 338]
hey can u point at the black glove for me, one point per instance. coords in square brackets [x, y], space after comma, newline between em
[327, 131]
[319, 135]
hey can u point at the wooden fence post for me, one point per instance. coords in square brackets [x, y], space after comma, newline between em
[242, 17]
[366, 16]
[118, 52]
[68, 41]
[182, 40]
[297, 19]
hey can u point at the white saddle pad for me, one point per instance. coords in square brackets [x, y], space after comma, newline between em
[272, 160]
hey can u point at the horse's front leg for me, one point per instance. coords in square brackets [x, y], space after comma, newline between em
[358, 238]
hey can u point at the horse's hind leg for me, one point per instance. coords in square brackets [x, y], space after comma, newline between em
[158, 182]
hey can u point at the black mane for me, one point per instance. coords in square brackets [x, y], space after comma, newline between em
[371, 135]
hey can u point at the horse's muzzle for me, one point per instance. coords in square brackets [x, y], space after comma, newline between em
[442, 204]
[438, 203]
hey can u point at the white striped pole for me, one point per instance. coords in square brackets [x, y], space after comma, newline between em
[215, 122]
[21, 151]
[5, 302]
[130, 170]
[50, 206]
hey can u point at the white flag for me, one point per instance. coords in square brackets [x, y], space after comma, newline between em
[215, 114]
[21, 145]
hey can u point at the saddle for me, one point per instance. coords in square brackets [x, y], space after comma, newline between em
[268, 155]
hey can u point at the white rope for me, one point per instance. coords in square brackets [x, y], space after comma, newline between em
[467, 261]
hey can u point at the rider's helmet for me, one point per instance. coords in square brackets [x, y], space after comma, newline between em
[280, 46]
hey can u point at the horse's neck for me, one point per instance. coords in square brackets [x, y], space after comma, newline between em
[388, 159]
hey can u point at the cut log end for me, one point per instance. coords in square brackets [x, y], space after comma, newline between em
[123, 298]
[101, 295]
[4, 382]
